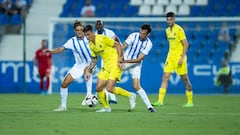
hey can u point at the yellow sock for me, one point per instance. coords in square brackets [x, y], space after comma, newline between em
[122, 92]
[189, 95]
[161, 95]
[102, 98]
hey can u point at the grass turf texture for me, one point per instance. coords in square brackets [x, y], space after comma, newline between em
[29, 114]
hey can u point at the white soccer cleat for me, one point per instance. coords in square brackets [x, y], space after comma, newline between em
[132, 100]
[104, 110]
[60, 109]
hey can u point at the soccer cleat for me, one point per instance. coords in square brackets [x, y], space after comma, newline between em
[157, 103]
[151, 109]
[132, 100]
[188, 105]
[112, 102]
[60, 109]
[104, 110]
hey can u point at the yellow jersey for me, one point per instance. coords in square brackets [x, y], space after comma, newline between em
[104, 47]
[174, 36]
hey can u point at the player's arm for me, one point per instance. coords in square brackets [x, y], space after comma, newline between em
[89, 69]
[120, 54]
[185, 47]
[92, 64]
[138, 60]
[56, 50]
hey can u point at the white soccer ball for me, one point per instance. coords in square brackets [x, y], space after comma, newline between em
[91, 100]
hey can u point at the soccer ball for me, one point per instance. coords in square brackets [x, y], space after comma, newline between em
[91, 100]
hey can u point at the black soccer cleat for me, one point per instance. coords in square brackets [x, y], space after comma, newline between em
[151, 109]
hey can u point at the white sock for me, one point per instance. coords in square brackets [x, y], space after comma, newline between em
[144, 97]
[112, 96]
[64, 94]
[107, 94]
[89, 86]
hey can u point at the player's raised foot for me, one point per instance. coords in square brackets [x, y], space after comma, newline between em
[151, 109]
[104, 110]
[60, 109]
[188, 105]
[132, 100]
[112, 102]
[158, 103]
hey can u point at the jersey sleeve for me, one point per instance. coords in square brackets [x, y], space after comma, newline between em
[130, 39]
[182, 35]
[69, 44]
[147, 48]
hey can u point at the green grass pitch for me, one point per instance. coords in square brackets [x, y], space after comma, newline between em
[32, 114]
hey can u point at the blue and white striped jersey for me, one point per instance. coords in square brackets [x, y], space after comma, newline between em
[135, 46]
[107, 32]
[80, 49]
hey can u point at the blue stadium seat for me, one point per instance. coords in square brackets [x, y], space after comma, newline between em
[16, 19]
[4, 19]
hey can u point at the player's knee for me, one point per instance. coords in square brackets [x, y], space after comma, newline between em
[136, 86]
[64, 85]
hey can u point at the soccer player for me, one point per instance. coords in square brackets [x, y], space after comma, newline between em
[42, 64]
[80, 49]
[137, 47]
[176, 60]
[107, 32]
[112, 55]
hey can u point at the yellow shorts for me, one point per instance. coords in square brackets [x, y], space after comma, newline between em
[171, 65]
[112, 74]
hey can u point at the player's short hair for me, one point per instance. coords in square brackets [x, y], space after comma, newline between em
[99, 22]
[146, 27]
[88, 28]
[170, 14]
[77, 23]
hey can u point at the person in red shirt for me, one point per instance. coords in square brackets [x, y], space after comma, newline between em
[43, 62]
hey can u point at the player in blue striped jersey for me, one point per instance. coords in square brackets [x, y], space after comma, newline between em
[82, 54]
[137, 46]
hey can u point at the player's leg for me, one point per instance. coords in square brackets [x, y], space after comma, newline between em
[72, 75]
[111, 98]
[41, 75]
[183, 72]
[88, 83]
[114, 76]
[48, 73]
[47, 83]
[101, 84]
[142, 94]
[136, 74]
[64, 92]
[189, 93]
[102, 95]
[162, 89]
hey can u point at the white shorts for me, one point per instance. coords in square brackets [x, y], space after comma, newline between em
[77, 70]
[134, 69]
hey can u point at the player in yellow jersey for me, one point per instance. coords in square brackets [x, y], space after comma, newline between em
[176, 60]
[112, 55]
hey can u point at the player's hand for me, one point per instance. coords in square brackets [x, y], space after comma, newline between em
[121, 63]
[180, 62]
